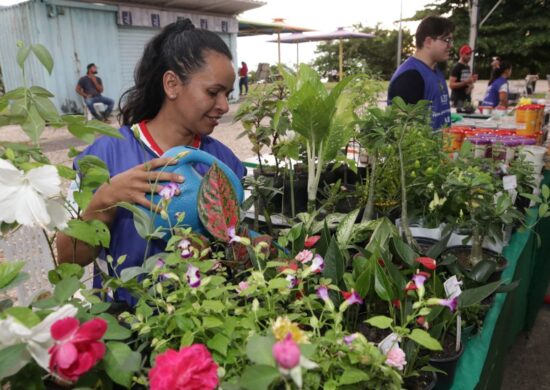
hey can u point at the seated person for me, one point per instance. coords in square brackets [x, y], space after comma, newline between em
[90, 88]
[497, 93]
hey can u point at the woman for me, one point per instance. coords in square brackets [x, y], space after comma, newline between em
[181, 87]
[497, 93]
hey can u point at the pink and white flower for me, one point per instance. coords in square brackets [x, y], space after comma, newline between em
[396, 358]
[451, 303]
[348, 340]
[352, 297]
[322, 292]
[304, 256]
[318, 264]
[242, 286]
[292, 280]
[168, 191]
[193, 276]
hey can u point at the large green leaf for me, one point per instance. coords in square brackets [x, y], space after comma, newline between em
[259, 377]
[341, 127]
[142, 219]
[217, 204]
[345, 229]
[66, 288]
[424, 339]
[381, 322]
[22, 55]
[46, 109]
[352, 376]
[382, 284]
[258, 350]
[473, 296]
[9, 271]
[43, 56]
[114, 330]
[93, 232]
[121, 362]
[365, 280]
[219, 343]
[12, 359]
[334, 262]
[404, 251]
[33, 124]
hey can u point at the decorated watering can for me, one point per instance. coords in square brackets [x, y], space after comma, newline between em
[186, 201]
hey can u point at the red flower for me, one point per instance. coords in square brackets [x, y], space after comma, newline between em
[77, 348]
[422, 322]
[311, 241]
[427, 262]
[192, 368]
[292, 265]
[381, 263]
[411, 286]
[396, 303]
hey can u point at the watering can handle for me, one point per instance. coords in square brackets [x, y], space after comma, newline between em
[199, 156]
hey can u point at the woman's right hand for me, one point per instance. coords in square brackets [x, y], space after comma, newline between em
[132, 186]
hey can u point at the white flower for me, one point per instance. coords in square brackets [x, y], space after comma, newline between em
[38, 339]
[32, 198]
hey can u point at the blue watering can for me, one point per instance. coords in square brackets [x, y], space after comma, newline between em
[186, 201]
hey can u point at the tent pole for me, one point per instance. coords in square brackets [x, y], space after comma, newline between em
[341, 60]
[279, 46]
[297, 56]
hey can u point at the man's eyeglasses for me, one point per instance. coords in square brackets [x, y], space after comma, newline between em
[448, 40]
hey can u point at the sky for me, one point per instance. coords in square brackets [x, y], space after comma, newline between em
[322, 15]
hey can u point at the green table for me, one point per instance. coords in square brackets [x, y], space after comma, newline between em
[482, 363]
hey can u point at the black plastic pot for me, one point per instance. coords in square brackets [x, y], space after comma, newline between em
[447, 365]
[300, 194]
[425, 243]
[412, 383]
[502, 263]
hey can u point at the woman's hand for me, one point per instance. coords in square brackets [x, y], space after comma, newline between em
[131, 186]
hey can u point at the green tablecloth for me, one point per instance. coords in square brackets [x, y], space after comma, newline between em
[481, 365]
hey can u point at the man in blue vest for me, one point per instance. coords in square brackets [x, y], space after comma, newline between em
[419, 77]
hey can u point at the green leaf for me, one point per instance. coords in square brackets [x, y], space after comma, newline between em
[83, 198]
[219, 343]
[46, 109]
[114, 330]
[9, 271]
[473, 296]
[545, 190]
[33, 125]
[405, 252]
[382, 285]
[100, 307]
[121, 362]
[212, 322]
[22, 55]
[483, 270]
[43, 56]
[215, 306]
[66, 289]
[345, 229]
[65, 172]
[381, 322]
[39, 91]
[424, 339]
[364, 281]
[130, 273]
[142, 219]
[259, 377]
[352, 376]
[23, 315]
[277, 283]
[543, 209]
[93, 232]
[259, 350]
[12, 359]
[334, 262]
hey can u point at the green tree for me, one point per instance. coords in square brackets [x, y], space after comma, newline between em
[376, 56]
[516, 31]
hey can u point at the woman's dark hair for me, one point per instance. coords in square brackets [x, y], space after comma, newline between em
[433, 26]
[504, 66]
[179, 47]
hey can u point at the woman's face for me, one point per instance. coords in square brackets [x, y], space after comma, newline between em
[202, 100]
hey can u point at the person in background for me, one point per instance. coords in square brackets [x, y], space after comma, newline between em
[419, 77]
[495, 64]
[182, 84]
[462, 81]
[90, 87]
[243, 78]
[531, 83]
[497, 93]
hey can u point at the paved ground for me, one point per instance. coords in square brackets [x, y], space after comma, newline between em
[527, 367]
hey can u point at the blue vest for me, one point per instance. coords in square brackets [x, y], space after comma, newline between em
[491, 98]
[121, 155]
[435, 90]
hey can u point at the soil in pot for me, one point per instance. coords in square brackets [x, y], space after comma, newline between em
[425, 381]
[446, 360]
[462, 253]
[425, 243]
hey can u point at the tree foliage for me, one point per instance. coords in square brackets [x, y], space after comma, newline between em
[376, 56]
[516, 31]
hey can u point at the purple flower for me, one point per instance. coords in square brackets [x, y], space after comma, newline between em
[159, 263]
[349, 339]
[231, 232]
[193, 276]
[292, 281]
[419, 279]
[322, 292]
[318, 264]
[451, 303]
[168, 190]
[352, 297]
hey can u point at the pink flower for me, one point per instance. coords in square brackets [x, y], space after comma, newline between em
[242, 286]
[304, 256]
[169, 190]
[286, 352]
[419, 278]
[352, 297]
[192, 368]
[349, 339]
[193, 276]
[318, 264]
[77, 348]
[396, 358]
[427, 262]
[451, 303]
[311, 241]
[322, 292]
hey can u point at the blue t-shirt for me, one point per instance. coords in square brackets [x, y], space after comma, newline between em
[435, 90]
[120, 155]
[491, 98]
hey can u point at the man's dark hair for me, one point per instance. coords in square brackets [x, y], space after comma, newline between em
[179, 47]
[89, 66]
[434, 27]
